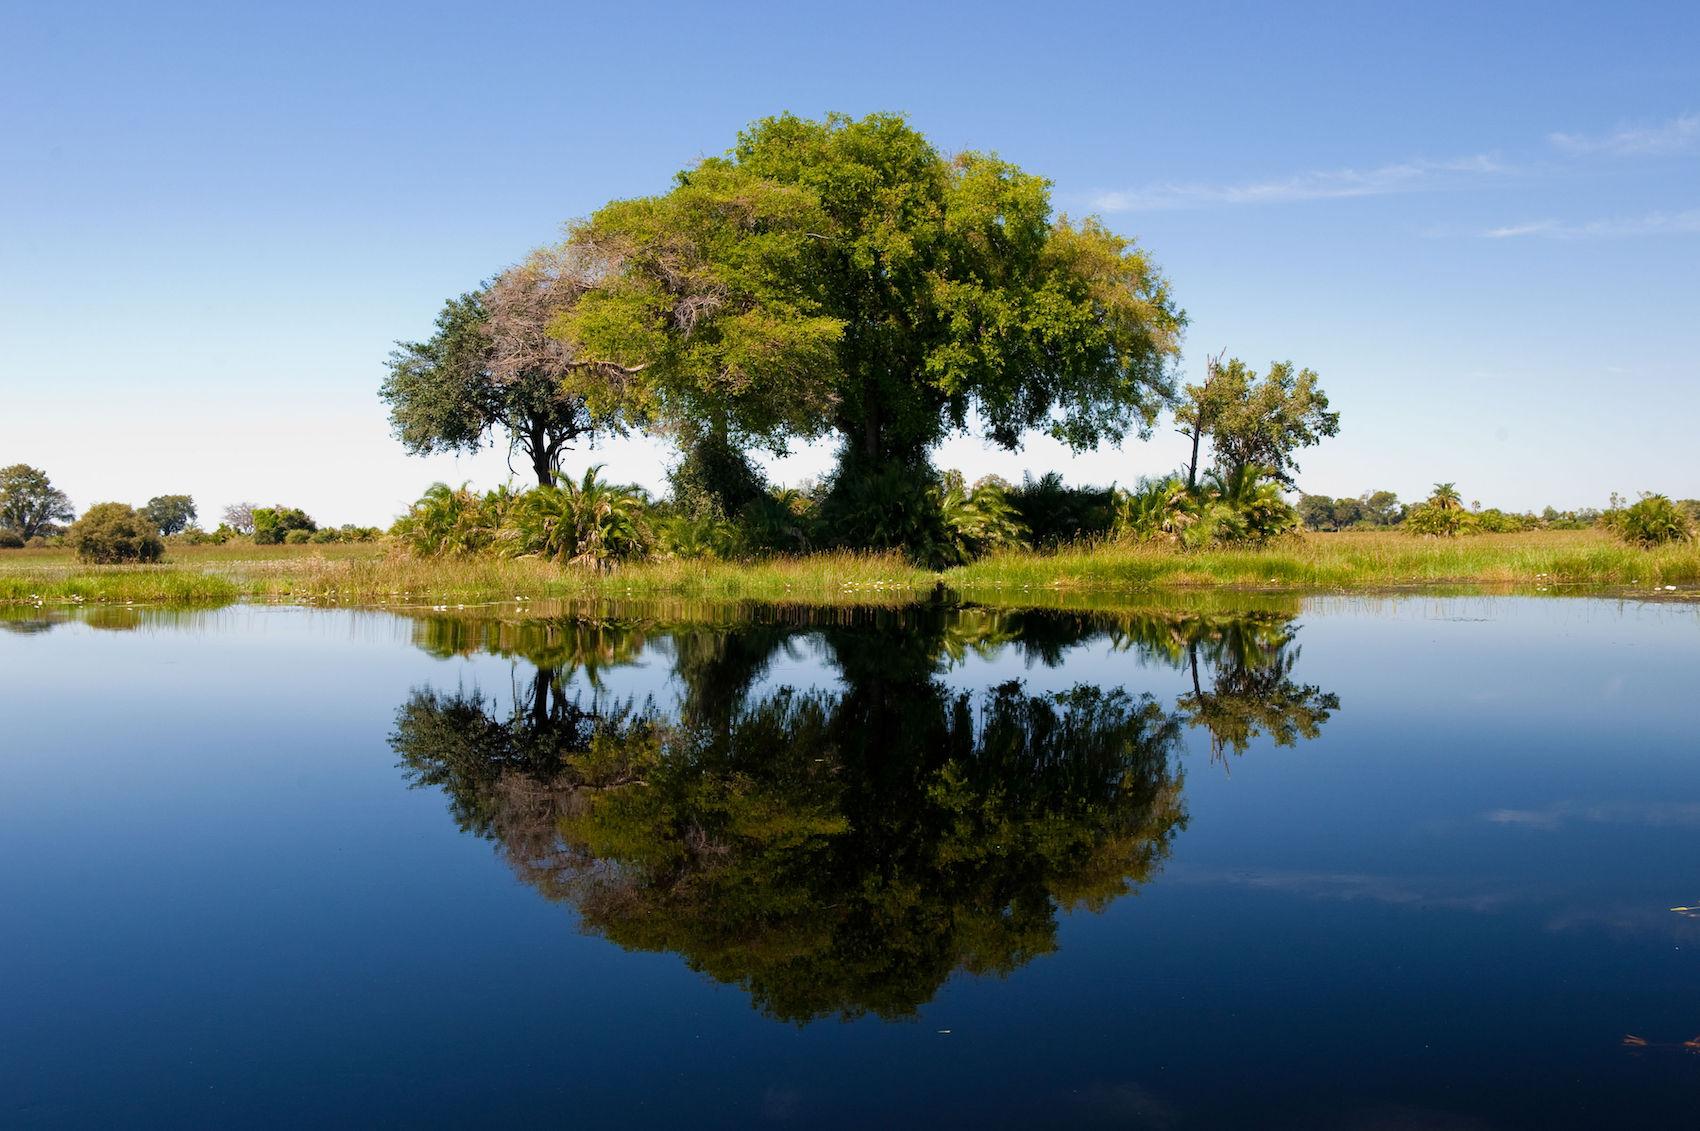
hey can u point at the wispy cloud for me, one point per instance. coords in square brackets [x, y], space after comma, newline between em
[1675, 136]
[1652, 224]
[1652, 814]
[1326, 184]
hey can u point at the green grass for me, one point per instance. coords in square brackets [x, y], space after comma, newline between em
[1542, 561]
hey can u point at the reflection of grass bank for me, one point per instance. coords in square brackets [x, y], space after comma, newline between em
[1529, 562]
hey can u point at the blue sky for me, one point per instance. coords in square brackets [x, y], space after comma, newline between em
[1479, 223]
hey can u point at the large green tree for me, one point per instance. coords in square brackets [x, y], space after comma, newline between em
[490, 367]
[1254, 421]
[845, 277]
[29, 502]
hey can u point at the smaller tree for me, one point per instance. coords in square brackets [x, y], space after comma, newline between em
[1442, 513]
[1653, 521]
[1254, 421]
[240, 517]
[29, 503]
[1317, 512]
[171, 513]
[1382, 508]
[273, 524]
[110, 533]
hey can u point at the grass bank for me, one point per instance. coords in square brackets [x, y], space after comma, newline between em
[1542, 561]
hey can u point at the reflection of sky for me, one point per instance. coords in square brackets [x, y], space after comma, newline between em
[1466, 878]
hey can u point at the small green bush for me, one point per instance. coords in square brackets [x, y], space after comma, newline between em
[297, 537]
[273, 524]
[11, 540]
[113, 532]
[1653, 521]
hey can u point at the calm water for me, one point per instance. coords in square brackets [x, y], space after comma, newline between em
[1390, 863]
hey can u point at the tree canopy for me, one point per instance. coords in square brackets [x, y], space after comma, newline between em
[490, 366]
[1254, 421]
[29, 502]
[844, 276]
[172, 514]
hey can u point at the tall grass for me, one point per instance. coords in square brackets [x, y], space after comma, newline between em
[371, 575]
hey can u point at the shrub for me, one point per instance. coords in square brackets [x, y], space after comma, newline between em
[1054, 513]
[890, 507]
[1155, 510]
[1653, 521]
[323, 535]
[978, 520]
[273, 524]
[114, 532]
[297, 537]
[11, 540]
[453, 522]
[41, 543]
[591, 523]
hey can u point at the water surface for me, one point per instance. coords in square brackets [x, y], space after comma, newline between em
[1357, 863]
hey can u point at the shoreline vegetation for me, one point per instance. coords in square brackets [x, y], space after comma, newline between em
[380, 575]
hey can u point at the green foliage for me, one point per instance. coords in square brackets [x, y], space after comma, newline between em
[110, 533]
[11, 540]
[690, 537]
[451, 522]
[887, 507]
[1256, 422]
[491, 367]
[171, 514]
[1441, 515]
[978, 520]
[297, 537]
[29, 503]
[1371, 509]
[588, 523]
[845, 276]
[715, 479]
[1229, 508]
[1653, 521]
[1155, 510]
[273, 524]
[1055, 513]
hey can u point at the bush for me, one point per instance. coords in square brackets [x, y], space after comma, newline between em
[1054, 513]
[591, 523]
[452, 522]
[1653, 521]
[323, 536]
[1228, 509]
[888, 508]
[11, 540]
[114, 532]
[978, 520]
[297, 537]
[273, 524]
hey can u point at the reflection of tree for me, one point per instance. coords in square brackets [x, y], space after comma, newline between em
[845, 851]
[1252, 691]
[829, 853]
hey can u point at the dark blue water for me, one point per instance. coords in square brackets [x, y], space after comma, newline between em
[1384, 863]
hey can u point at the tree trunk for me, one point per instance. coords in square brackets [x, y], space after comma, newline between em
[1192, 467]
[542, 455]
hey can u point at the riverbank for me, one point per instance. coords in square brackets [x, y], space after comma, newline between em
[1534, 562]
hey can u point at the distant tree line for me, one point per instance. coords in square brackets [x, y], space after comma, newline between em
[34, 513]
[1652, 520]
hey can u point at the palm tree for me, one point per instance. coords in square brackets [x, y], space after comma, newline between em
[1446, 498]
